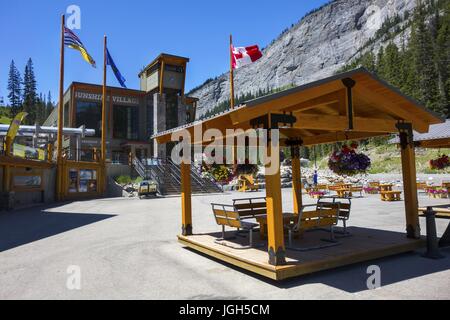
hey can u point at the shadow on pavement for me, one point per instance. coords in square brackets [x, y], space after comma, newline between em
[353, 278]
[22, 227]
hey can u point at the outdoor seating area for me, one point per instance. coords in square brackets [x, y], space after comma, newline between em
[365, 244]
[346, 107]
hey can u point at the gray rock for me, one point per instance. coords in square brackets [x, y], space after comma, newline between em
[316, 47]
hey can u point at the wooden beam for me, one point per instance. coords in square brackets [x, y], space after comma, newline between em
[186, 204]
[340, 123]
[333, 97]
[286, 101]
[437, 143]
[338, 136]
[386, 106]
[275, 227]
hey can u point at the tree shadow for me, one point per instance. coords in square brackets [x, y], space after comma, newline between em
[26, 226]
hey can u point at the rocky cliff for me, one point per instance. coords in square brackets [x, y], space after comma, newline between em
[317, 46]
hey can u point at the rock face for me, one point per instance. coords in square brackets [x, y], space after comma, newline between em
[316, 47]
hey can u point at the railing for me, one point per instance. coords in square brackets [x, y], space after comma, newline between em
[210, 178]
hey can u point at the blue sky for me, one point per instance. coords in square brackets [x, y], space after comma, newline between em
[137, 32]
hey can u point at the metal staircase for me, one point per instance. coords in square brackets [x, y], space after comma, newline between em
[167, 175]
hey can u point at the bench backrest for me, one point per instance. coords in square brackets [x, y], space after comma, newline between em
[250, 207]
[317, 218]
[343, 205]
[226, 216]
[374, 184]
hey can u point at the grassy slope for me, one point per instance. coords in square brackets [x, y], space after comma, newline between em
[386, 159]
[5, 120]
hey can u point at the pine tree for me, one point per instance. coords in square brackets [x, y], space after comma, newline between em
[392, 65]
[443, 59]
[49, 106]
[15, 89]
[29, 93]
[380, 69]
[423, 59]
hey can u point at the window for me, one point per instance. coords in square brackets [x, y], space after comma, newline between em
[150, 120]
[66, 115]
[89, 114]
[171, 110]
[126, 122]
[82, 181]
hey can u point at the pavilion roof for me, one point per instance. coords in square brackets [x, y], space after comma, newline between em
[320, 111]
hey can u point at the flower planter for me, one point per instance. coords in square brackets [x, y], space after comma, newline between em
[347, 162]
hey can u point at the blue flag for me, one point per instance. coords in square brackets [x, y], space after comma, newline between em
[110, 62]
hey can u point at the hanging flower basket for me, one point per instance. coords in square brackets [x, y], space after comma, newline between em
[348, 162]
[440, 163]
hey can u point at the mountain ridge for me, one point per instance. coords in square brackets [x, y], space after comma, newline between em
[318, 45]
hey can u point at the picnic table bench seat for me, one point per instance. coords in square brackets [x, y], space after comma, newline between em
[228, 216]
[391, 196]
[312, 217]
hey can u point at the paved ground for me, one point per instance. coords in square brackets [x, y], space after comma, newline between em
[127, 249]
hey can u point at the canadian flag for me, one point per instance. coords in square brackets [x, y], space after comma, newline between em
[243, 56]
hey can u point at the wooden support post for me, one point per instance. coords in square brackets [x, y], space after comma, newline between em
[296, 179]
[6, 178]
[275, 227]
[186, 205]
[409, 180]
[50, 152]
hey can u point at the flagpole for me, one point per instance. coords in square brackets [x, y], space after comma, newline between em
[104, 101]
[59, 161]
[103, 154]
[231, 74]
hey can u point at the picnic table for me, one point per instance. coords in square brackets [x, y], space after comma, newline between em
[386, 187]
[262, 220]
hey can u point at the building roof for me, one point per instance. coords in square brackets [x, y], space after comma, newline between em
[437, 136]
[320, 110]
[168, 58]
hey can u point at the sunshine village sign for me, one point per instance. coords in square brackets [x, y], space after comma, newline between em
[98, 97]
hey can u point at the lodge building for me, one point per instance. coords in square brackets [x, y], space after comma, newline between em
[132, 115]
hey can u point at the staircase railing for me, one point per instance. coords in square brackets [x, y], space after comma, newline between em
[195, 177]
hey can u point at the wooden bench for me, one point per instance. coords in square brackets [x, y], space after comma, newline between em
[318, 218]
[391, 196]
[247, 183]
[344, 205]
[249, 208]
[228, 216]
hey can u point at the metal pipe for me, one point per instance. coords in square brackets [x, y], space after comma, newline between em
[51, 130]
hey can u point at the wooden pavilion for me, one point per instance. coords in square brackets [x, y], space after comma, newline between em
[350, 106]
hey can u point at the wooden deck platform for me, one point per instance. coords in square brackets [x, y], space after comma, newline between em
[364, 245]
